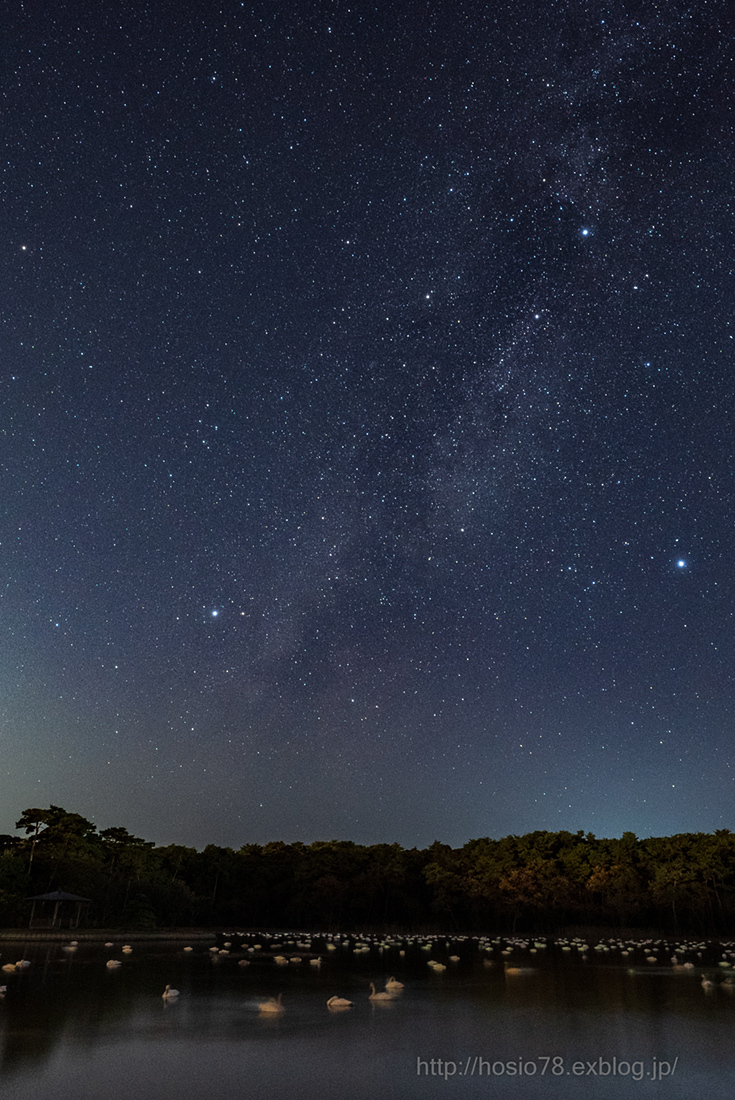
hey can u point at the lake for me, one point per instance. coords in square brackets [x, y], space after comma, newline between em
[529, 1023]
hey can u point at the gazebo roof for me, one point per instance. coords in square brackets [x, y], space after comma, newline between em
[58, 895]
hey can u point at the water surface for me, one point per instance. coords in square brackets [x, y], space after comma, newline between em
[71, 1029]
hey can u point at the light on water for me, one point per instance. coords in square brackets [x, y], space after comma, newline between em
[502, 1019]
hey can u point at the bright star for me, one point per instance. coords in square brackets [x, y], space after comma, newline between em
[681, 564]
[215, 613]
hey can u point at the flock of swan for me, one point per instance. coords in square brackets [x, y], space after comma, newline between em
[509, 953]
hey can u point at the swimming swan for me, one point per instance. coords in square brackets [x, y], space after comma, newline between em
[170, 994]
[338, 1002]
[393, 984]
[272, 1005]
[379, 996]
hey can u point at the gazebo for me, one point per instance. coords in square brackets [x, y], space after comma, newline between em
[64, 915]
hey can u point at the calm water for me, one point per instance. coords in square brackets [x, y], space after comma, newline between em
[70, 1029]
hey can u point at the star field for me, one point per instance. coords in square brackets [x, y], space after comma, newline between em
[367, 441]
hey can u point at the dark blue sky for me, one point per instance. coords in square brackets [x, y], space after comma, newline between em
[368, 419]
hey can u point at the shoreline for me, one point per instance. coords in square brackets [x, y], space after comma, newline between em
[103, 934]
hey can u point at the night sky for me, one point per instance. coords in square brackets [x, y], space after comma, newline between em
[368, 414]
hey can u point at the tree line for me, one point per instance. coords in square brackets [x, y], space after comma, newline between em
[540, 881]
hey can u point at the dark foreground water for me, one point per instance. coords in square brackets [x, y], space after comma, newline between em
[71, 1029]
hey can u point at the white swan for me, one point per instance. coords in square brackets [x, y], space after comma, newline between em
[170, 994]
[338, 1002]
[113, 964]
[272, 1005]
[373, 996]
[392, 983]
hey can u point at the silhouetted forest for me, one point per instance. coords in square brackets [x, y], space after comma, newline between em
[541, 881]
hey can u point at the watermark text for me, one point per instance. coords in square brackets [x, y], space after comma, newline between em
[547, 1065]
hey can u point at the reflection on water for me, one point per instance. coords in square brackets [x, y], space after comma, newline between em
[555, 1025]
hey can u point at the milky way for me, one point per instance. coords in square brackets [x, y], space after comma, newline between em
[367, 381]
